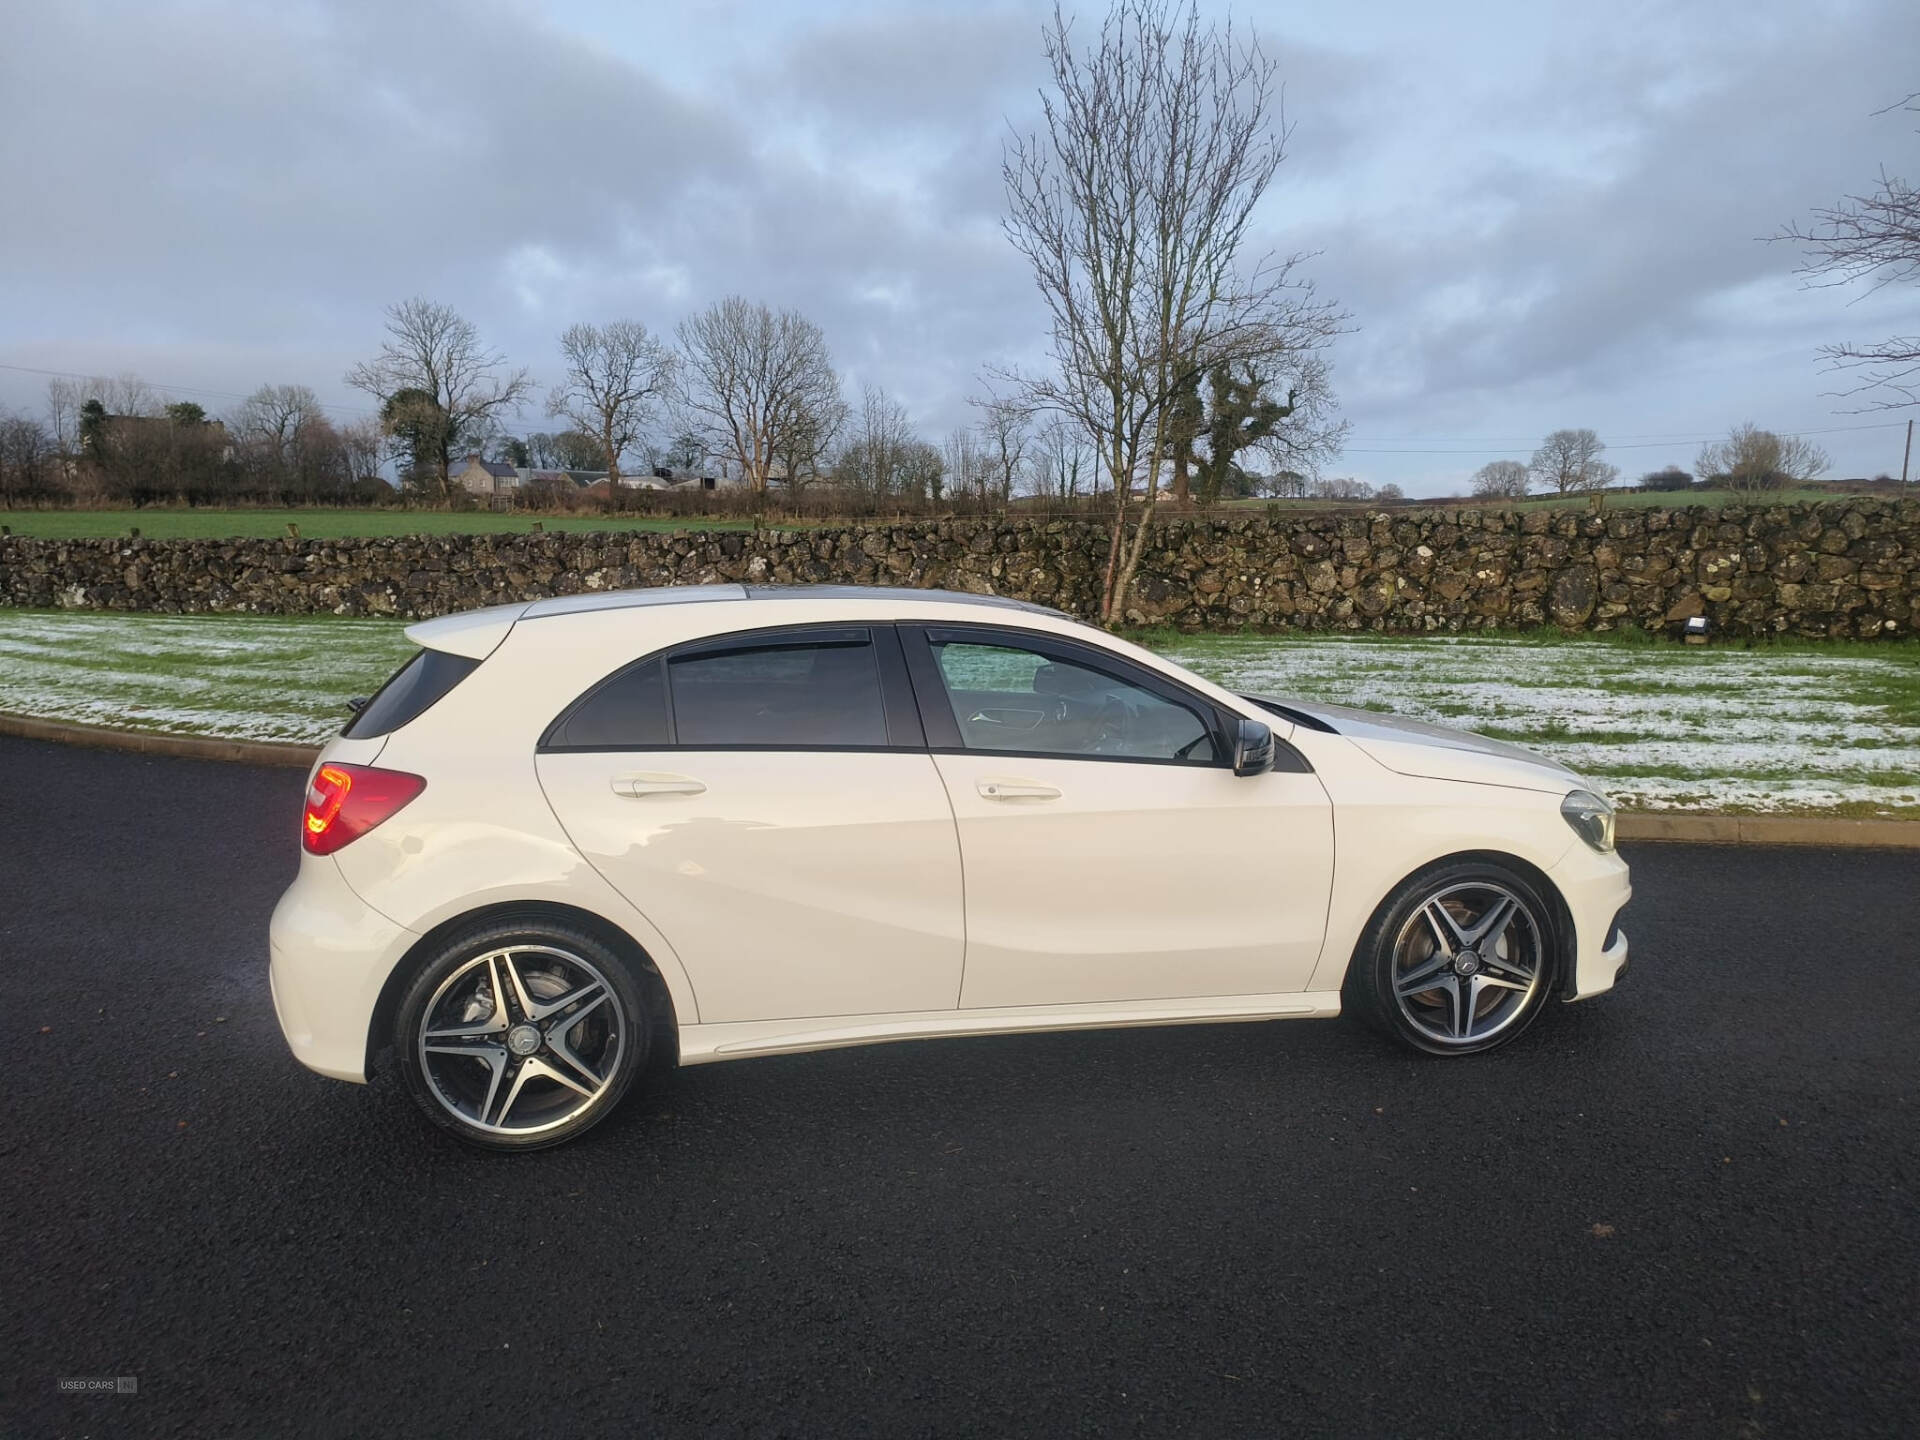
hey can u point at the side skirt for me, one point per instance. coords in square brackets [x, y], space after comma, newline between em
[703, 1044]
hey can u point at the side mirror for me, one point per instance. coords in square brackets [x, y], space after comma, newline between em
[1253, 748]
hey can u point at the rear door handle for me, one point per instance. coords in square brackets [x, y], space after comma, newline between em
[640, 786]
[1015, 790]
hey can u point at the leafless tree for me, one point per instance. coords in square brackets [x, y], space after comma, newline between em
[1340, 487]
[805, 444]
[1872, 238]
[750, 375]
[873, 461]
[966, 474]
[617, 374]
[1062, 464]
[923, 472]
[27, 459]
[1005, 433]
[1133, 204]
[434, 352]
[1751, 460]
[272, 419]
[1502, 479]
[1568, 462]
[65, 396]
[360, 450]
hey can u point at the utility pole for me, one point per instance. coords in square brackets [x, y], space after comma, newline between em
[1908, 455]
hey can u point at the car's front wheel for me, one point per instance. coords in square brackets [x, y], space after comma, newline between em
[1459, 959]
[516, 1037]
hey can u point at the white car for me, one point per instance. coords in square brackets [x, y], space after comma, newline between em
[721, 821]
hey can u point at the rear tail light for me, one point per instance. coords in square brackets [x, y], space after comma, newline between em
[346, 801]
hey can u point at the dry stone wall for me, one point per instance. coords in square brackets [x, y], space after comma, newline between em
[1835, 570]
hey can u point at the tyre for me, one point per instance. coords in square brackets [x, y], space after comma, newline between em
[1459, 959]
[518, 1036]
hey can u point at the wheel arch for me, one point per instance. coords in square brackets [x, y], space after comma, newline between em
[1564, 937]
[666, 1022]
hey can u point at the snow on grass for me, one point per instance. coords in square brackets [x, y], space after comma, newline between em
[249, 678]
[1659, 726]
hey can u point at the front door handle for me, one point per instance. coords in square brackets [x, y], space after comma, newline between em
[638, 787]
[1015, 790]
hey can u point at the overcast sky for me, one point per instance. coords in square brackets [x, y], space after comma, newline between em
[1539, 214]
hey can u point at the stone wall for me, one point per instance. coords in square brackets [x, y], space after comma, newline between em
[1848, 569]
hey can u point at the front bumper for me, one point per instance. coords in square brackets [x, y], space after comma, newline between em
[1595, 887]
[330, 956]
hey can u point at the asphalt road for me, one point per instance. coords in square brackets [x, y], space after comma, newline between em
[1685, 1209]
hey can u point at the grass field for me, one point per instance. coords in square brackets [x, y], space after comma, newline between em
[320, 524]
[1831, 729]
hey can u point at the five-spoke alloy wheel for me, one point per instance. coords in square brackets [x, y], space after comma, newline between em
[517, 1037]
[1459, 959]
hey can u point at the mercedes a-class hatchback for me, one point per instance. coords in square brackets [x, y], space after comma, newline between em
[724, 821]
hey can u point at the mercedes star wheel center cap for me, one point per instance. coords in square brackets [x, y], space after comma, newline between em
[523, 1040]
[1466, 962]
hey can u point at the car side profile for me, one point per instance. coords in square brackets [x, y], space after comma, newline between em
[707, 823]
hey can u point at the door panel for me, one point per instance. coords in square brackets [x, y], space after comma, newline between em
[789, 883]
[1137, 881]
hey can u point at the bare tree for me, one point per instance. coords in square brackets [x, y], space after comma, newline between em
[1501, 478]
[751, 375]
[1133, 206]
[1751, 460]
[1062, 463]
[433, 351]
[616, 377]
[1568, 462]
[273, 417]
[873, 462]
[1005, 433]
[804, 445]
[1873, 238]
[966, 470]
[27, 460]
[65, 396]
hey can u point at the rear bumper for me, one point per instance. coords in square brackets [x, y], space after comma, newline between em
[330, 955]
[1595, 887]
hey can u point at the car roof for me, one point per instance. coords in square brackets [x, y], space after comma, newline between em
[704, 594]
[475, 633]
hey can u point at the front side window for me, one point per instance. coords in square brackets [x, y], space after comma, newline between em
[1013, 699]
[822, 692]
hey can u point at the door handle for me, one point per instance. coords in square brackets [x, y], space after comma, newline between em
[1015, 790]
[640, 786]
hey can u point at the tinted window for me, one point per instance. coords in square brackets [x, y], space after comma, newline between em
[628, 710]
[1007, 698]
[817, 693]
[414, 687]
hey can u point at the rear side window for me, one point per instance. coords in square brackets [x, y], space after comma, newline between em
[823, 692]
[627, 711]
[415, 687]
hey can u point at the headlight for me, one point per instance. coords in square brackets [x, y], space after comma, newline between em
[1591, 818]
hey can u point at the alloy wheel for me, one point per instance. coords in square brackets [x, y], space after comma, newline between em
[1467, 963]
[521, 1040]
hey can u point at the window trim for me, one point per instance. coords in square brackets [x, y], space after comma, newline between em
[943, 731]
[901, 715]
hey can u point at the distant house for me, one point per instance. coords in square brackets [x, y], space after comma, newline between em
[497, 480]
[484, 477]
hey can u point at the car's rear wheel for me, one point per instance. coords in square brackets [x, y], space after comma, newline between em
[1459, 959]
[517, 1037]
